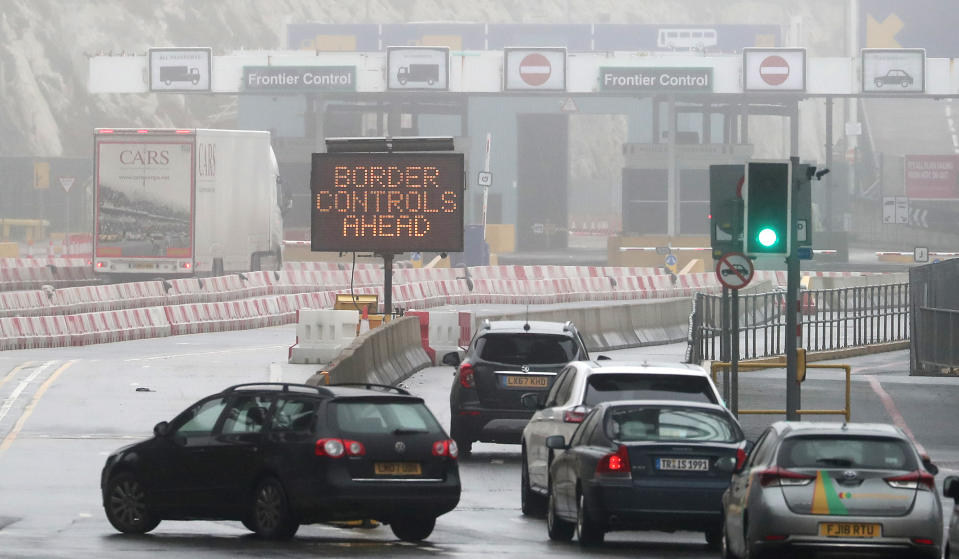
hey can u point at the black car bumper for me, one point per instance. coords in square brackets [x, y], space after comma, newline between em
[621, 505]
[490, 425]
[383, 500]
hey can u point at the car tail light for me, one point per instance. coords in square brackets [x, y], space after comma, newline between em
[335, 448]
[922, 541]
[774, 537]
[106, 131]
[575, 415]
[616, 463]
[446, 448]
[740, 458]
[99, 264]
[466, 376]
[913, 480]
[142, 131]
[782, 477]
[186, 265]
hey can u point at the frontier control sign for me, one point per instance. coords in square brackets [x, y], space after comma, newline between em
[655, 79]
[387, 202]
[299, 78]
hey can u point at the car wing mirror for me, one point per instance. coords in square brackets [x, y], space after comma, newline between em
[929, 466]
[452, 358]
[603, 358]
[531, 401]
[161, 429]
[556, 442]
[726, 464]
[950, 487]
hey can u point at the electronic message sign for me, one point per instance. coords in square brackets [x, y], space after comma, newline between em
[387, 202]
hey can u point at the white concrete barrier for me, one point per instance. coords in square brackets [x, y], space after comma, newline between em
[321, 334]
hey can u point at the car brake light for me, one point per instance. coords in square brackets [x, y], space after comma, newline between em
[446, 448]
[335, 448]
[143, 131]
[740, 458]
[99, 264]
[106, 131]
[922, 541]
[575, 415]
[186, 265]
[913, 480]
[782, 477]
[466, 376]
[616, 463]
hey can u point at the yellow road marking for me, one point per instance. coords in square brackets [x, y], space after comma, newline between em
[33, 403]
[16, 370]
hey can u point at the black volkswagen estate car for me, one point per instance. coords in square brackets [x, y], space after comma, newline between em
[505, 360]
[277, 455]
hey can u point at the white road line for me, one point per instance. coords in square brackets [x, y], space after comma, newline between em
[231, 350]
[8, 403]
[948, 111]
[276, 372]
[955, 140]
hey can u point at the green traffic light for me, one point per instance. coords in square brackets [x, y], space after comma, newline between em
[767, 237]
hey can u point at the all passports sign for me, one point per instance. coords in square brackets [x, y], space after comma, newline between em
[387, 202]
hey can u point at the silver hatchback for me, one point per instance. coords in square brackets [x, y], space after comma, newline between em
[838, 487]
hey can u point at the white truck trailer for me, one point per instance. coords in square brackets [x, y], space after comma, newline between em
[173, 203]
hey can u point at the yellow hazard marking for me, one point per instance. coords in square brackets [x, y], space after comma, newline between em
[15, 370]
[33, 403]
[883, 34]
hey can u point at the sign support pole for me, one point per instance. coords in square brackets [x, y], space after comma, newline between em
[724, 339]
[793, 394]
[734, 360]
[387, 283]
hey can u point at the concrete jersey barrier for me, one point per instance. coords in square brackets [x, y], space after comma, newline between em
[384, 355]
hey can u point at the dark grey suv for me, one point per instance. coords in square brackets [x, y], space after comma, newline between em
[505, 360]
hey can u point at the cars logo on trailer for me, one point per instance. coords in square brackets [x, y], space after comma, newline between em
[774, 70]
[535, 69]
[400, 447]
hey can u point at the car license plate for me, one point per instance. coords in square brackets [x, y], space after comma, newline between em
[683, 464]
[850, 530]
[143, 265]
[397, 468]
[522, 381]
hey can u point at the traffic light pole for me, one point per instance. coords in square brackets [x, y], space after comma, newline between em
[791, 308]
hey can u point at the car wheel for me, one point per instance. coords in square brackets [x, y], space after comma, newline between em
[878, 83]
[126, 505]
[724, 550]
[413, 528]
[531, 503]
[714, 537]
[271, 517]
[588, 531]
[463, 443]
[558, 529]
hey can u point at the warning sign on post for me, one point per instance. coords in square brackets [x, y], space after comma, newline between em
[387, 202]
[542, 69]
[734, 270]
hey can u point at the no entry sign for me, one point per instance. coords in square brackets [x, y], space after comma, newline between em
[774, 69]
[734, 270]
[535, 69]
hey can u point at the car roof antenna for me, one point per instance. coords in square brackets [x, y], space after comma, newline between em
[526, 326]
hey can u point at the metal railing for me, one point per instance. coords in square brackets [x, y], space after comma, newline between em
[846, 411]
[831, 319]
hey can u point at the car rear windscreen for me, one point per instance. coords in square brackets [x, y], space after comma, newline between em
[650, 423]
[603, 387]
[846, 452]
[385, 417]
[526, 349]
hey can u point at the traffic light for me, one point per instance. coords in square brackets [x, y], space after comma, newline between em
[767, 197]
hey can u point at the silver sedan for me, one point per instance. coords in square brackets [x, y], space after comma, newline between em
[834, 487]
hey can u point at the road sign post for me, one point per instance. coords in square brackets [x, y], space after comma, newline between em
[793, 326]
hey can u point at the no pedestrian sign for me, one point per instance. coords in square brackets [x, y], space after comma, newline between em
[734, 270]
